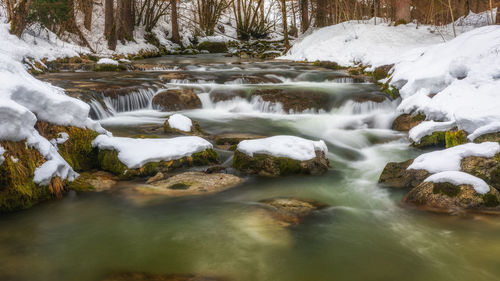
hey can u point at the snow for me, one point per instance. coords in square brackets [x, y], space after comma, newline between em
[107, 61]
[62, 138]
[451, 158]
[427, 128]
[180, 122]
[456, 81]
[283, 146]
[486, 129]
[2, 151]
[135, 153]
[459, 178]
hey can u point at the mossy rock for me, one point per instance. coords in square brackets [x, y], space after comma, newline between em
[177, 99]
[487, 169]
[77, 150]
[494, 137]
[328, 64]
[291, 211]
[17, 189]
[396, 175]
[110, 67]
[447, 197]
[195, 129]
[271, 166]
[213, 47]
[436, 139]
[231, 141]
[108, 161]
[455, 137]
[381, 72]
[405, 122]
[93, 181]
[399, 22]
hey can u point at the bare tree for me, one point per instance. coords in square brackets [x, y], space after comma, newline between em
[209, 13]
[250, 20]
[17, 11]
[285, 24]
[304, 15]
[175, 22]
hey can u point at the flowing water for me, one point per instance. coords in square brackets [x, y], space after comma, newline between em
[364, 235]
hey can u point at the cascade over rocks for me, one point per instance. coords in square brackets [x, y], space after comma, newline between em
[177, 99]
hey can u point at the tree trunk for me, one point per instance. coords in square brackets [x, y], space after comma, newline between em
[109, 24]
[87, 9]
[285, 24]
[18, 16]
[403, 10]
[175, 22]
[321, 13]
[304, 15]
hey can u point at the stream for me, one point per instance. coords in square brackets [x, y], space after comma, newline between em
[365, 234]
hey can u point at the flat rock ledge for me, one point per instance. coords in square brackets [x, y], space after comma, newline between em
[448, 198]
[271, 166]
[191, 183]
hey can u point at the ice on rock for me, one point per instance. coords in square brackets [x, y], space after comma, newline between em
[460, 178]
[180, 122]
[135, 153]
[451, 158]
[107, 61]
[283, 146]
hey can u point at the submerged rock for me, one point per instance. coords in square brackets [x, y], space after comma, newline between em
[271, 166]
[143, 276]
[93, 181]
[447, 197]
[192, 183]
[177, 99]
[291, 211]
[396, 175]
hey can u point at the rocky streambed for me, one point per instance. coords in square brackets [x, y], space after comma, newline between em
[230, 209]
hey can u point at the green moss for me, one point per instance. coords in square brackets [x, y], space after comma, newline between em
[81, 183]
[328, 64]
[289, 166]
[418, 117]
[437, 139]
[17, 189]
[353, 71]
[213, 47]
[490, 200]
[488, 137]
[446, 188]
[455, 137]
[271, 165]
[108, 161]
[109, 67]
[401, 21]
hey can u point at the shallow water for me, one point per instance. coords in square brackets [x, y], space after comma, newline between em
[364, 235]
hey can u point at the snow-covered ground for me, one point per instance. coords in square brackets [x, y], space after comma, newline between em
[283, 146]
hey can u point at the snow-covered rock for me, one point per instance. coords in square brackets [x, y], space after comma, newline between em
[283, 146]
[180, 122]
[450, 159]
[107, 61]
[460, 178]
[2, 151]
[135, 153]
[428, 127]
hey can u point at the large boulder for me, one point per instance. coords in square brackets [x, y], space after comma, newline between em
[191, 183]
[396, 175]
[405, 122]
[177, 99]
[291, 211]
[446, 197]
[487, 169]
[488, 137]
[281, 155]
[296, 101]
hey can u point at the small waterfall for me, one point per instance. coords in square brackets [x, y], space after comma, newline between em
[107, 106]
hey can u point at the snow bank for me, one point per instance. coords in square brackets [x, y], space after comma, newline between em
[458, 178]
[283, 146]
[450, 159]
[180, 122]
[135, 153]
[107, 61]
[350, 43]
[428, 127]
[456, 81]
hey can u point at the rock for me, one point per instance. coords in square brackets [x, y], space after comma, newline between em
[487, 169]
[436, 139]
[143, 276]
[216, 169]
[291, 211]
[405, 122]
[495, 137]
[296, 101]
[252, 79]
[108, 161]
[93, 181]
[195, 129]
[192, 183]
[177, 99]
[218, 95]
[328, 65]
[213, 47]
[381, 72]
[396, 175]
[455, 137]
[230, 141]
[159, 176]
[271, 166]
[446, 197]
[172, 76]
